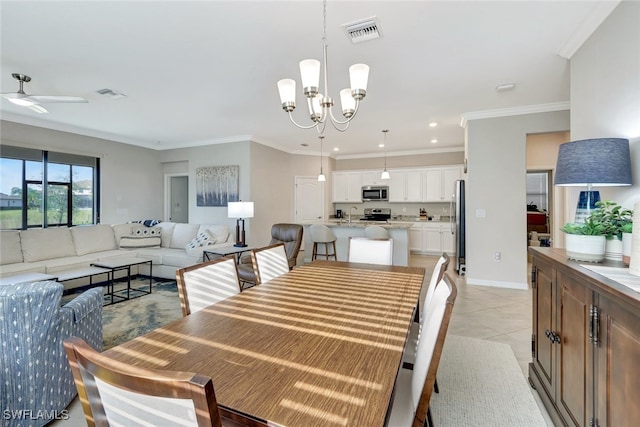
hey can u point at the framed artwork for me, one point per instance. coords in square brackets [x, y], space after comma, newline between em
[217, 185]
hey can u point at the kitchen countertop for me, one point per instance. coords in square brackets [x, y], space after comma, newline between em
[361, 224]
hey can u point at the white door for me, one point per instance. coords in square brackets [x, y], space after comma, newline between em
[309, 202]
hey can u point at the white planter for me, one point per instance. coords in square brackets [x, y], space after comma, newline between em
[585, 248]
[626, 248]
[613, 249]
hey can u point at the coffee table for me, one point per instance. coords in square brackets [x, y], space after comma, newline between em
[122, 264]
[26, 278]
[224, 251]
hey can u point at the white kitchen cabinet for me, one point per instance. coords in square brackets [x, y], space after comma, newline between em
[431, 238]
[347, 187]
[406, 185]
[373, 178]
[439, 183]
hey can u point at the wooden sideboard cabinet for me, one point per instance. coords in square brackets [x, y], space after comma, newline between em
[585, 343]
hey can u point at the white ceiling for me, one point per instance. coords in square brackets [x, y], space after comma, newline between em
[205, 72]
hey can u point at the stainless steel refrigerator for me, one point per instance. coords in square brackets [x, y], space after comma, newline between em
[457, 220]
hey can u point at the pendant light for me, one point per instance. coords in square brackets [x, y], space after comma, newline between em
[321, 177]
[385, 173]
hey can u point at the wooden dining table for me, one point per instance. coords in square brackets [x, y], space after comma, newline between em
[319, 345]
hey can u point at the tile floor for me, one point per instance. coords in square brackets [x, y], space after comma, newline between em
[493, 314]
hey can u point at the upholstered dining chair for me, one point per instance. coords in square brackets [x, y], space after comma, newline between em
[416, 327]
[370, 251]
[116, 393]
[207, 283]
[288, 234]
[269, 262]
[414, 388]
[323, 235]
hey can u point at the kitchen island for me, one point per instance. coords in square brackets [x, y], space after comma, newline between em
[398, 231]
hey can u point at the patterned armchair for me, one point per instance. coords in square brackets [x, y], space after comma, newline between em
[36, 383]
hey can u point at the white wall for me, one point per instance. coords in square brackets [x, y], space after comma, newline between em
[496, 185]
[605, 91]
[131, 182]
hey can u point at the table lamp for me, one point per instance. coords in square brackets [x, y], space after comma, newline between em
[240, 210]
[589, 162]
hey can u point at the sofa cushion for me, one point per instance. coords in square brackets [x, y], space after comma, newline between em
[182, 234]
[46, 243]
[219, 232]
[10, 247]
[167, 232]
[140, 241]
[120, 230]
[200, 243]
[93, 238]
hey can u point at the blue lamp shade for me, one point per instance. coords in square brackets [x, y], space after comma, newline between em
[588, 162]
[599, 161]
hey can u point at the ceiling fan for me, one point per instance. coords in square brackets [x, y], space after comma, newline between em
[33, 101]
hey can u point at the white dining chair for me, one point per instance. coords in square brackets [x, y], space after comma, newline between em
[269, 262]
[416, 327]
[207, 283]
[370, 251]
[414, 388]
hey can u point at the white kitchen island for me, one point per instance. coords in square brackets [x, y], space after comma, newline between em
[398, 231]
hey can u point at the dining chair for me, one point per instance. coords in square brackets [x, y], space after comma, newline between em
[116, 393]
[207, 283]
[416, 327]
[414, 388]
[269, 262]
[370, 251]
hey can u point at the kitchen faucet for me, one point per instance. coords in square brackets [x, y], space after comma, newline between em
[352, 207]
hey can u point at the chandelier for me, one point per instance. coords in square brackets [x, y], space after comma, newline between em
[319, 105]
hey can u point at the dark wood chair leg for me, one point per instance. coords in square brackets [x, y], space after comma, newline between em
[429, 421]
[435, 386]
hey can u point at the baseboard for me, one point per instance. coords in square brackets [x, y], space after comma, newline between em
[497, 284]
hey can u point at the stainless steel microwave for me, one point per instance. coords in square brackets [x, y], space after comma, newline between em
[375, 193]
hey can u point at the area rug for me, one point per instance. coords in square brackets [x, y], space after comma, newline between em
[126, 320]
[481, 384]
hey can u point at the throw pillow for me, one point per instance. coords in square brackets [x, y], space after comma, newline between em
[130, 242]
[141, 230]
[199, 243]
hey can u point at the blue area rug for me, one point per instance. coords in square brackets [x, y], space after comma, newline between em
[128, 319]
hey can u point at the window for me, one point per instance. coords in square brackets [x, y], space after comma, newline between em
[44, 189]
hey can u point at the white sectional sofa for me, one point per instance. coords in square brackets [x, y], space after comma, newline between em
[61, 249]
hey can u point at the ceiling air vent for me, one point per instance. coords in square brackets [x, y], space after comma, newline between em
[111, 93]
[363, 30]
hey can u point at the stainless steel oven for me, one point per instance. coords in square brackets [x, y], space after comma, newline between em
[375, 193]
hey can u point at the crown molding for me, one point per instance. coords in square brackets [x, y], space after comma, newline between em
[515, 111]
[399, 153]
[600, 11]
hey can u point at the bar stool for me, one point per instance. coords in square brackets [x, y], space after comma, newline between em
[376, 232]
[321, 234]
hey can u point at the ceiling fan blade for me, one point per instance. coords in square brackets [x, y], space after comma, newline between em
[37, 108]
[56, 98]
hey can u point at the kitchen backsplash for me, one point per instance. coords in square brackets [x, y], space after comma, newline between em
[408, 211]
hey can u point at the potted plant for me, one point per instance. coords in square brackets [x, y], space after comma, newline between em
[585, 241]
[627, 229]
[613, 217]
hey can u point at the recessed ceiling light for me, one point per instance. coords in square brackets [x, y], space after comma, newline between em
[381, 145]
[433, 141]
[336, 149]
[433, 124]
